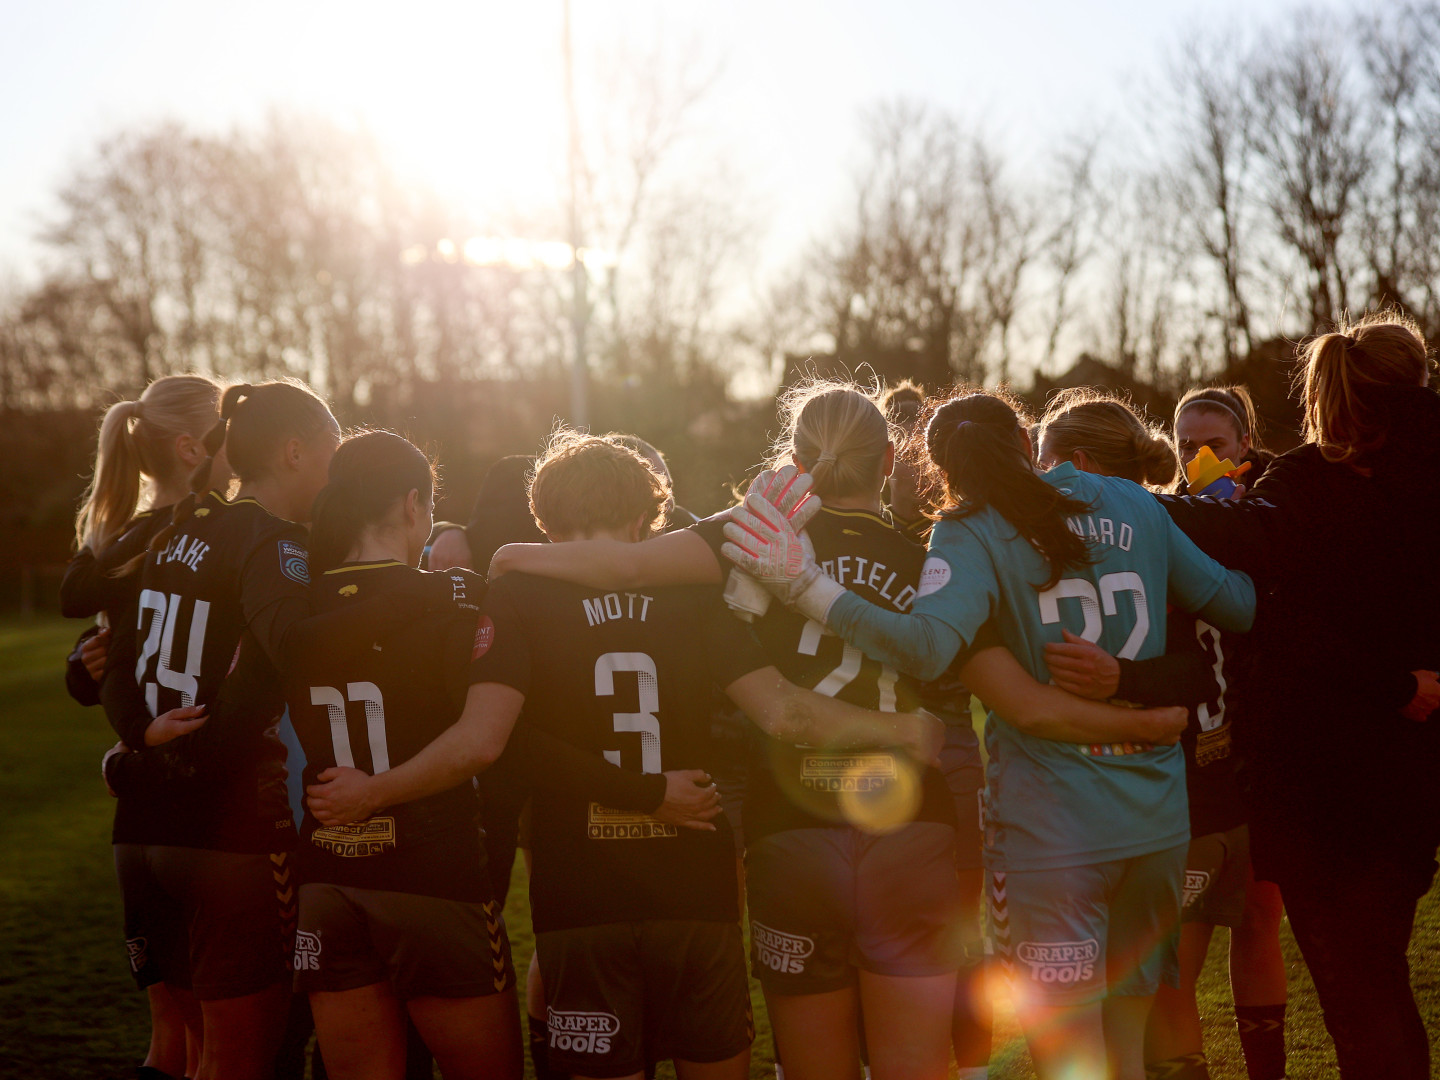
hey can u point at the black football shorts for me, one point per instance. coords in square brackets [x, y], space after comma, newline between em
[1217, 876]
[964, 772]
[425, 946]
[621, 995]
[827, 902]
[215, 921]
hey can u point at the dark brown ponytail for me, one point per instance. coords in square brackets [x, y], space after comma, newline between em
[369, 474]
[973, 443]
[254, 422]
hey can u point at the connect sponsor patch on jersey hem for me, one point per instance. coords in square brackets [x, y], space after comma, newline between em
[608, 824]
[847, 772]
[371, 837]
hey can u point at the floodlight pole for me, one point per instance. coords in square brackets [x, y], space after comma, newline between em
[579, 313]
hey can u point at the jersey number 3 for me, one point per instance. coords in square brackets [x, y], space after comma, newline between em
[645, 721]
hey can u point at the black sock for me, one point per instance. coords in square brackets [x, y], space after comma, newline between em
[540, 1049]
[1262, 1037]
[149, 1072]
[1185, 1067]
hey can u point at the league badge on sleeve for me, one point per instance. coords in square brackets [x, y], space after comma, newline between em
[294, 562]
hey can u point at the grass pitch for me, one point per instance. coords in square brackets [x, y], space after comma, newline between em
[68, 1007]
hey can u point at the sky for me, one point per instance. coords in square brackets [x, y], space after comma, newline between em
[468, 95]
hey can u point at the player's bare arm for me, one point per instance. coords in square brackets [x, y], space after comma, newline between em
[676, 558]
[795, 715]
[1049, 712]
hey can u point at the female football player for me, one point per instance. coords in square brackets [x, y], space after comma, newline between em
[1342, 756]
[398, 913]
[146, 452]
[1085, 844]
[1224, 419]
[1102, 435]
[839, 435]
[222, 588]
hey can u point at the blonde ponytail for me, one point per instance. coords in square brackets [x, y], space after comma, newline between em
[136, 445]
[1111, 433]
[1381, 349]
[838, 433]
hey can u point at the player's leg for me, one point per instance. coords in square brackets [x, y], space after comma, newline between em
[1048, 930]
[1213, 895]
[907, 911]
[1257, 979]
[450, 961]
[158, 951]
[239, 950]
[964, 773]
[697, 998]
[799, 886]
[1352, 920]
[1140, 953]
[359, 1021]
[1174, 1040]
[361, 1032]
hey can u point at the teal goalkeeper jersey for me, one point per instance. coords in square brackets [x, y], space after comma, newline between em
[1052, 804]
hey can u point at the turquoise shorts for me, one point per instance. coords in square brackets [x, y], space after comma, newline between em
[1083, 933]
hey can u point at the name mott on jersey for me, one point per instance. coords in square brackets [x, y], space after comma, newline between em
[612, 606]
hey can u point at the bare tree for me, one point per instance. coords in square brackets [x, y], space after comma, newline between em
[1214, 118]
[1311, 139]
[1069, 241]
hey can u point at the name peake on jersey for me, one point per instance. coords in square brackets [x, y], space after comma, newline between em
[612, 606]
[1105, 533]
[184, 550]
[851, 570]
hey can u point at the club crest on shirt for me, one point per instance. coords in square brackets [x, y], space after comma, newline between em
[294, 562]
[484, 637]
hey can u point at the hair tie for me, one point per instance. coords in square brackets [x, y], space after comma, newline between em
[828, 455]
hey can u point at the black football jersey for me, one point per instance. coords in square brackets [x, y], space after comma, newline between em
[1210, 762]
[628, 677]
[213, 610]
[375, 708]
[795, 787]
[90, 587]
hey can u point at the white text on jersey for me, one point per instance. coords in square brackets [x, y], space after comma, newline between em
[610, 607]
[850, 570]
[1086, 527]
[183, 549]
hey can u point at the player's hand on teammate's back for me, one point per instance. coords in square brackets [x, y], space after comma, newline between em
[691, 800]
[118, 748]
[1083, 668]
[1427, 696]
[923, 736]
[341, 796]
[173, 724]
[94, 652]
[1163, 726]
